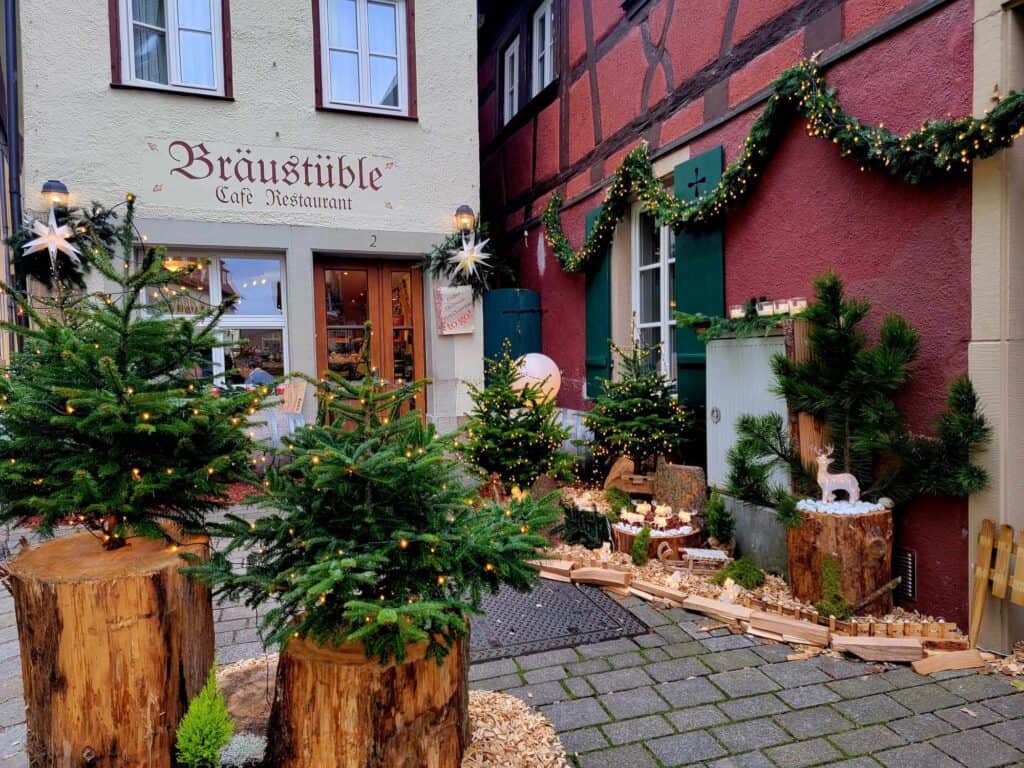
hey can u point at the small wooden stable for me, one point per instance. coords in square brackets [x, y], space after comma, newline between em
[114, 645]
[992, 573]
[334, 708]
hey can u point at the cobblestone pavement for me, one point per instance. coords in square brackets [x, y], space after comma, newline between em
[681, 697]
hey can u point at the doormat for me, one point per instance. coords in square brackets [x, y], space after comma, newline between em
[553, 615]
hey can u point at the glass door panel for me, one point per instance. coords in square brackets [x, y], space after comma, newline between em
[346, 311]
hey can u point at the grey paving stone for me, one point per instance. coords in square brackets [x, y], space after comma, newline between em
[673, 633]
[753, 706]
[865, 685]
[544, 675]
[540, 694]
[680, 615]
[915, 756]
[793, 674]
[685, 748]
[677, 669]
[588, 667]
[727, 642]
[687, 693]
[619, 680]
[496, 683]
[977, 687]
[1009, 707]
[973, 715]
[808, 696]
[649, 616]
[725, 661]
[905, 677]
[583, 740]
[639, 729]
[547, 658]
[978, 749]
[744, 682]
[803, 753]
[838, 669]
[751, 734]
[680, 650]
[633, 703]
[749, 760]
[233, 653]
[608, 648]
[578, 687]
[863, 741]
[633, 756]
[1012, 732]
[655, 654]
[569, 715]
[813, 722]
[624, 660]
[652, 640]
[692, 718]
[856, 762]
[773, 652]
[926, 698]
[872, 709]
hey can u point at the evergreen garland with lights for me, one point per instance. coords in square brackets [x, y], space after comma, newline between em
[105, 417]
[638, 415]
[937, 150]
[376, 538]
[513, 430]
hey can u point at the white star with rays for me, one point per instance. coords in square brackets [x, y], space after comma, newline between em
[471, 257]
[50, 237]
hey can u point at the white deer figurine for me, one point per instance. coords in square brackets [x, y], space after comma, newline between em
[831, 483]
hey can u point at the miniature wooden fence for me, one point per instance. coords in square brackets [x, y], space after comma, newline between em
[992, 571]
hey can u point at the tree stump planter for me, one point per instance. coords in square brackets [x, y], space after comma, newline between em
[862, 543]
[334, 708]
[114, 644]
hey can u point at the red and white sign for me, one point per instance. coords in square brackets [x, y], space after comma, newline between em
[454, 310]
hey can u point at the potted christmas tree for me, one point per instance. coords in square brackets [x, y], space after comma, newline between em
[375, 557]
[107, 423]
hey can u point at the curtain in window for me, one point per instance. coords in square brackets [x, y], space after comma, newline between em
[149, 30]
[195, 42]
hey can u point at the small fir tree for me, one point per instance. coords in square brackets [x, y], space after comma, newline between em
[638, 415]
[720, 522]
[105, 415]
[206, 728]
[376, 538]
[513, 430]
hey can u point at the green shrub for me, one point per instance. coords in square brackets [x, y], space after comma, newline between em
[721, 524]
[584, 527]
[617, 499]
[833, 602]
[640, 544]
[743, 572]
[785, 510]
[206, 728]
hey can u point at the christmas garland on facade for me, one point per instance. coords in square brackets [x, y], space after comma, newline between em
[937, 150]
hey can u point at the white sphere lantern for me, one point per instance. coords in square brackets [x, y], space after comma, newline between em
[540, 372]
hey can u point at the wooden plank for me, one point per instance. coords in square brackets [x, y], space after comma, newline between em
[1001, 572]
[982, 571]
[717, 608]
[559, 567]
[601, 576]
[659, 591]
[945, 643]
[880, 648]
[940, 662]
[1017, 582]
[554, 577]
[808, 633]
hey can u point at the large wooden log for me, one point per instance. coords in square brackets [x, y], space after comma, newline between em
[861, 543]
[114, 644]
[334, 708]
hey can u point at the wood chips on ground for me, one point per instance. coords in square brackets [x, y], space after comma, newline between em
[507, 733]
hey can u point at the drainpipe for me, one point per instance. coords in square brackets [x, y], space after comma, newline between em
[12, 93]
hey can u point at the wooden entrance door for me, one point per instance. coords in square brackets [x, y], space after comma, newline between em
[389, 295]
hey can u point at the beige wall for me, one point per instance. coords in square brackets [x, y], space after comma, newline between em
[104, 142]
[997, 300]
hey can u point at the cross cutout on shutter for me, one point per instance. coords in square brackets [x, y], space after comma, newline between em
[698, 179]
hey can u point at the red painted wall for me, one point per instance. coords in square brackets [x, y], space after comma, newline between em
[905, 248]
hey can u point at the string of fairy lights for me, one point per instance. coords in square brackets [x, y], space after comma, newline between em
[939, 149]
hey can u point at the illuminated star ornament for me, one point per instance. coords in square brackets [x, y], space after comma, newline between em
[52, 238]
[472, 257]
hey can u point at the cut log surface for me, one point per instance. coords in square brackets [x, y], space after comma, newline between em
[114, 644]
[862, 543]
[334, 708]
[880, 648]
[944, 661]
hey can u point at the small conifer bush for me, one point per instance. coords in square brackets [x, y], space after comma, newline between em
[206, 728]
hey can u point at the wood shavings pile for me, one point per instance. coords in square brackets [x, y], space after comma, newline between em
[592, 499]
[507, 734]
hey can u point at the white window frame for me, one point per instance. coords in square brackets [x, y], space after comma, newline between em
[171, 32]
[363, 54]
[510, 80]
[667, 323]
[542, 61]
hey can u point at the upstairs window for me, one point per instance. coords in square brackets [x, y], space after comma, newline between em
[543, 35]
[172, 45]
[510, 80]
[364, 56]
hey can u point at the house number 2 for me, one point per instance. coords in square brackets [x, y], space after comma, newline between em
[373, 241]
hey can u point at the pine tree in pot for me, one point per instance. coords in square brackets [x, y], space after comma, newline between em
[105, 424]
[375, 555]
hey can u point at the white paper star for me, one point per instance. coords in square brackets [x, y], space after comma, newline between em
[471, 257]
[52, 238]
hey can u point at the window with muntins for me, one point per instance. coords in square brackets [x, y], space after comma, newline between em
[543, 36]
[364, 56]
[510, 80]
[173, 45]
[653, 288]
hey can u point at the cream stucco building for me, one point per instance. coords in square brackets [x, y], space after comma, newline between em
[306, 153]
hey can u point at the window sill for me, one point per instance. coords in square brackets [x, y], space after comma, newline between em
[366, 112]
[171, 91]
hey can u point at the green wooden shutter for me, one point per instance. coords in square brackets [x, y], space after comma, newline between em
[599, 317]
[700, 279]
